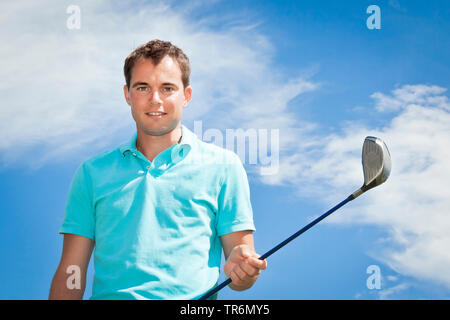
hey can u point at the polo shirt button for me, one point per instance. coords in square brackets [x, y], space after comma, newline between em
[148, 167]
[134, 154]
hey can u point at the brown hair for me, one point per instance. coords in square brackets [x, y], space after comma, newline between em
[156, 50]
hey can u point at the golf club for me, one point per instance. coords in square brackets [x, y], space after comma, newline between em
[376, 162]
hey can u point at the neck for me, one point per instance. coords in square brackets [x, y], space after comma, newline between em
[150, 146]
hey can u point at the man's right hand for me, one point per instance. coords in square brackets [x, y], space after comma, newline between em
[75, 257]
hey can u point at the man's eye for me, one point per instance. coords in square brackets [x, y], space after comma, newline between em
[142, 89]
[168, 89]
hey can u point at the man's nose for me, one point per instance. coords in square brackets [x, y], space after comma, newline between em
[155, 98]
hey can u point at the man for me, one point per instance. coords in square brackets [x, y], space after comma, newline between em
[159, 208]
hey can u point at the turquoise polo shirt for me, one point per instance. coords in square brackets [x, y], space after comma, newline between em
[156, 225]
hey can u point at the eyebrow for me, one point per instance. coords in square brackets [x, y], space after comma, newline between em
[141, 83]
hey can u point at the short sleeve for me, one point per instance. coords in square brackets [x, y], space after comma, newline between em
[235, 210]
[79, 215]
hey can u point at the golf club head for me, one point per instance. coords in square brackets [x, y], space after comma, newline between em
[376, 162]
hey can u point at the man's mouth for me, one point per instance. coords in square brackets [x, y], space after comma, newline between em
[155, 114]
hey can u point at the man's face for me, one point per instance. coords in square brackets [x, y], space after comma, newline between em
[157, 89]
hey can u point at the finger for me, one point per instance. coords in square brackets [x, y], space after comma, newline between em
[240, 272]
[250, 270]
[235, 278]
[256, 263]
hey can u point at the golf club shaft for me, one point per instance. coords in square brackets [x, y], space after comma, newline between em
[282, 244]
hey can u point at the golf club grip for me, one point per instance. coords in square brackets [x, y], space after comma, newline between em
[279, 246]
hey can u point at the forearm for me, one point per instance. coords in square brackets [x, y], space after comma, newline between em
[60, 290]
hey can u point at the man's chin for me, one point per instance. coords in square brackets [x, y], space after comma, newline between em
[161, 131]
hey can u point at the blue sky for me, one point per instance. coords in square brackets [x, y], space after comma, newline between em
[311, 69]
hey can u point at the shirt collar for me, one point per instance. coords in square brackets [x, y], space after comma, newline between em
[179, 151]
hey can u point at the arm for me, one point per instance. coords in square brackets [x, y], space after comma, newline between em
[242, 264]
[77, 251]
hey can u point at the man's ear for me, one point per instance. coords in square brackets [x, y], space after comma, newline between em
[187, 95]
[126, 94]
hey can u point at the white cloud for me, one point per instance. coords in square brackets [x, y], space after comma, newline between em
[392, 292]
[62, 89]
[392, 278]
[412, 94]
[413, 205]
